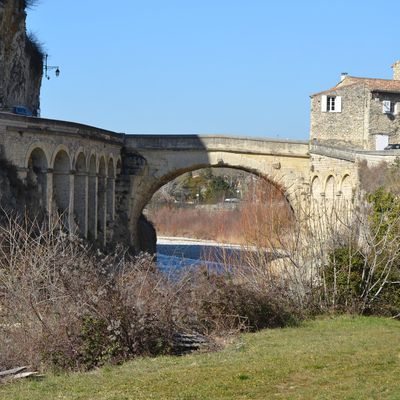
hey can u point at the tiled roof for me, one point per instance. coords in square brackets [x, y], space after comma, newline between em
[384, 85]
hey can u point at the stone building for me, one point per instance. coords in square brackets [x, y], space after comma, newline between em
[361, 113]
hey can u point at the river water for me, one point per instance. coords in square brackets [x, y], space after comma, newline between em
[175, 253]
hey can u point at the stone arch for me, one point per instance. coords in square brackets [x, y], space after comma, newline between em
[37, 145]
[92, 198]
[330, 187]
[346, 187]
[58, 149]
[61, 181]
[37, 166]
[268, 201]
[156, 167]
[101, 201]
[80, 193]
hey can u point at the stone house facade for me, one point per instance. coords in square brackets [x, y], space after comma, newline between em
[361, 113]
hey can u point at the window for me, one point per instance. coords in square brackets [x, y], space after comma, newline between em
[389, 107]
[331, 104]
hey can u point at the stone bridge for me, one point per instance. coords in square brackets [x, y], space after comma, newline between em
[165, 157]
[101, 180]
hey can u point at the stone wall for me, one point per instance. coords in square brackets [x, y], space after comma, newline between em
[346, 128]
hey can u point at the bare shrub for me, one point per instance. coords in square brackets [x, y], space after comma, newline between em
[63, 304]
[342, 257]
[66, 306]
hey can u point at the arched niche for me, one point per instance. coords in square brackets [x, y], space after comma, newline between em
[346, 188]
[80, 193]
[110, 190]
[119, 168]
[37, 174]
[330, 188]
[316, 188]
[101, 201]
[61, 181]
[92, 198]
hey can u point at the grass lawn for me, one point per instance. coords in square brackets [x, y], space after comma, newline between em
[340, 358]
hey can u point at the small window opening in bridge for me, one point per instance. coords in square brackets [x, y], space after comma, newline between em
[221, 204]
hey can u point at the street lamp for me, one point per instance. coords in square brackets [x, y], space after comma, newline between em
[49, 67]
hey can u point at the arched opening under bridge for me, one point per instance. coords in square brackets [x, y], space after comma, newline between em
[229, 205]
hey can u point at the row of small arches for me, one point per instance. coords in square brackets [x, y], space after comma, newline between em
[82, 188]
[332, 187]
[62, 160]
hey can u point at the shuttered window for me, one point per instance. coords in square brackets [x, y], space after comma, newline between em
[390, 107]
[331, 103]
[386, 106]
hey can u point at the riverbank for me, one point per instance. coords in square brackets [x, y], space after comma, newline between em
[249, 222]
[181, 240]
[332, 358]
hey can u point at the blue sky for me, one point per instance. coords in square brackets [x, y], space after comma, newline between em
[241, 67]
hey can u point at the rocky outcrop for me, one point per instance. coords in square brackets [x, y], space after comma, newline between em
[16, 197]
[21, 59]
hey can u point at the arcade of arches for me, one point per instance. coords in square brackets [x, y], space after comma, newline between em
[80, 188]
[332, 187]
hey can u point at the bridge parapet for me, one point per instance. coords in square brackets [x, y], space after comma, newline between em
[42, 126]
[354, 155]
[339, 153]
[217, 143]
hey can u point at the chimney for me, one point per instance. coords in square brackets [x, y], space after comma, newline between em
[343, 75]
[396, 70]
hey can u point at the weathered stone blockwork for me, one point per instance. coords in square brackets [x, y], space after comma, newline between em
[346, 128]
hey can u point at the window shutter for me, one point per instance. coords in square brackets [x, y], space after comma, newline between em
[396, 108]
[386, 106]
[323, 103]
[338, 104]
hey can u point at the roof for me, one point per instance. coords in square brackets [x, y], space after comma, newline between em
[373, 84]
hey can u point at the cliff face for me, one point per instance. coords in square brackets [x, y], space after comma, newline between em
[21, 59]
